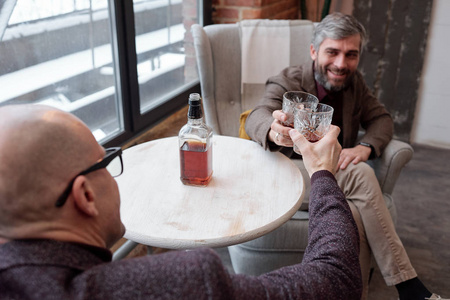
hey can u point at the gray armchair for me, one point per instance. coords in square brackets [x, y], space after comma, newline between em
[218, 52]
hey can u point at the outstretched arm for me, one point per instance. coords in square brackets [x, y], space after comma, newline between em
[330, 268]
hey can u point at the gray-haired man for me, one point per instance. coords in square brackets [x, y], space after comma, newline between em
[333, 77]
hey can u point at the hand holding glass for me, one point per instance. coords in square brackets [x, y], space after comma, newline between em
[312, 120]
[291, 100]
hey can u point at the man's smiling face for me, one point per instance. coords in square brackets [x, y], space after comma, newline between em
[336, 61]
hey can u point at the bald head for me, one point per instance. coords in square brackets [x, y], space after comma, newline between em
[41, 150]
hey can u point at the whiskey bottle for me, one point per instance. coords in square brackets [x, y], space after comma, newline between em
[195, 142]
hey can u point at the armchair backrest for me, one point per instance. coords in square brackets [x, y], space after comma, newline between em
[234, 61]
[227, 89]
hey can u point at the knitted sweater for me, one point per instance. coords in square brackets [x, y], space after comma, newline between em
[47, 269]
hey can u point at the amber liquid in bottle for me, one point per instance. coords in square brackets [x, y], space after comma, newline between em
[195, 142]
[196, 163]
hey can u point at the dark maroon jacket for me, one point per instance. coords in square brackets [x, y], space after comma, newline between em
[46, 269]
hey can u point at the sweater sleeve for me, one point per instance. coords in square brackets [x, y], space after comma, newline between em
[330, 268]
[196, 274]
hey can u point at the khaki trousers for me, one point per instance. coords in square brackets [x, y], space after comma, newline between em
[376, 228]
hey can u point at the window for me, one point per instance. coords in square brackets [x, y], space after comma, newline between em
[160, 49]
[118, 65]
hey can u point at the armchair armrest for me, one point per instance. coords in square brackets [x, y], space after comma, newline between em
[124, 250]
[389, 165]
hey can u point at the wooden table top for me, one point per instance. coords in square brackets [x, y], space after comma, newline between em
[252, 192]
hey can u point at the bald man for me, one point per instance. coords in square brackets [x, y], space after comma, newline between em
[41, 151]
[60, 215]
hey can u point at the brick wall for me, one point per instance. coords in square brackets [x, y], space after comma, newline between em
[232, 11]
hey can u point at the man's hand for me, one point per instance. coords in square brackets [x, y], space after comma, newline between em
[279, 134]
[321, 155]
[353, 155]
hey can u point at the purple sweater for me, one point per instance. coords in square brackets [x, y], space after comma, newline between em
[46, 269]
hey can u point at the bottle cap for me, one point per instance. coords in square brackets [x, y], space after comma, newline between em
[194, 99]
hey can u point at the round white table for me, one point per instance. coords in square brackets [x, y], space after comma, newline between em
[252, 192]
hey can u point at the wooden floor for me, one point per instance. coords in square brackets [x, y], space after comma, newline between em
[422, 197]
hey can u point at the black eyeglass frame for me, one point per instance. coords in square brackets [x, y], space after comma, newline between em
[110, 154]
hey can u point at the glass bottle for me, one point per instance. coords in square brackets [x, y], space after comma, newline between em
[195, 142]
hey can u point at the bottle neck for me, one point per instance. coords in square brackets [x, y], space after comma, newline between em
[195, 121]
[195, 112]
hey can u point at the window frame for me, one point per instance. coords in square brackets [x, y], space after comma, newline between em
[124, 52]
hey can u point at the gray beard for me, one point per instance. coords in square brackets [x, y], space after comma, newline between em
[322, 80]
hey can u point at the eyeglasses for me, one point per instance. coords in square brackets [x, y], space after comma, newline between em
[112, 161]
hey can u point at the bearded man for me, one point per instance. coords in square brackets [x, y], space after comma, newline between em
[333, 77]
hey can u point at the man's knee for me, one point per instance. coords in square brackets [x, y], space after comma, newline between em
[356, 178]
[355, 172]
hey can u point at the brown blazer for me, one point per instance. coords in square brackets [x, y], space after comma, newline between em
[360, 109]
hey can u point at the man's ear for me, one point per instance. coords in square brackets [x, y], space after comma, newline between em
[84, 197]
[312, 52]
